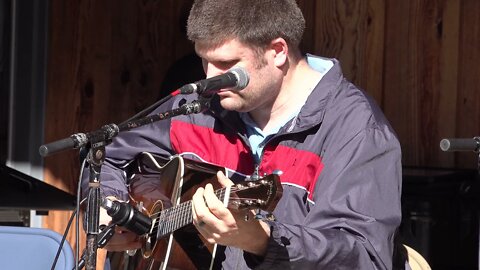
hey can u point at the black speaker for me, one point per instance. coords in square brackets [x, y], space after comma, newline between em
[440, 216]
[13, 217]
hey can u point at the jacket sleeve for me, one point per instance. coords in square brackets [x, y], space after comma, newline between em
[125, 147]
[356, 210]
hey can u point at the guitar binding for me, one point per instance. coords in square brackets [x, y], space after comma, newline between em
[151, 238]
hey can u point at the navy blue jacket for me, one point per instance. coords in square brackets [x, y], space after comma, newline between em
[341, 164]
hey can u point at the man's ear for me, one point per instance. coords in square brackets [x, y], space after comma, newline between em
[279, 48]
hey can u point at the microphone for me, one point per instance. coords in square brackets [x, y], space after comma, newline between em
[78, 140]
[465, 144]
[125, 215]
[235, 78]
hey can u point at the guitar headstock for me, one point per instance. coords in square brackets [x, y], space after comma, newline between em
[263, 194]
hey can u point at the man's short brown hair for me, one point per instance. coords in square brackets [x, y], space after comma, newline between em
[253, 22]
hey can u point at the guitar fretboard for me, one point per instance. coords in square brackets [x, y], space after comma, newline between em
[174, 218]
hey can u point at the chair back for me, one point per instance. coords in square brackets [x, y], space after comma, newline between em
[416, 260]
[32, 249]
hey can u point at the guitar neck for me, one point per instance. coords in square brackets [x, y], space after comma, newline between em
[176, 217]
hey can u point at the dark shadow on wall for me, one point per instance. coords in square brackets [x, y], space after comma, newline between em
[186, 69]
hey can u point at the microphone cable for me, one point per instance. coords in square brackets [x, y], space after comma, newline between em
[67, 229]
[152, 107]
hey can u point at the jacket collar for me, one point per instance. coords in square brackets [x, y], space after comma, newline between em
[313, 112]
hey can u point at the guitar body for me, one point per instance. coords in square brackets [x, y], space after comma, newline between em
[157, 184]
[162, 189]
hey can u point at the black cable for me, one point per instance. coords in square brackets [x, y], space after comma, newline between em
[77, 223]
[150, 108]
[63, 239]
[67, 229]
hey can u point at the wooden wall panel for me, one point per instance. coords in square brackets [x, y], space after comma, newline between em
[107, 60]
[353, 32]
[79, 61]
[406, 55]
[468, 87]
[417, 79]
[448, 83]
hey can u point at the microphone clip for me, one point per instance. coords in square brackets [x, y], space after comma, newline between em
[127, 216]
[196, 106]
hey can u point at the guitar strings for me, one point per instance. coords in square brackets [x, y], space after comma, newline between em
[168, 218]
[220, 193]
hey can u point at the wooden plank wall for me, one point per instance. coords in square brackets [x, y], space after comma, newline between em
[418, 59]
[107, 60]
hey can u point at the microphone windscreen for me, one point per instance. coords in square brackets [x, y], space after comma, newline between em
[242, 77]
[460, 144]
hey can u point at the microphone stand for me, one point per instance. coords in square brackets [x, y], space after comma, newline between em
[96, 141]
[103, 237]
[470, 145]
[96, 157]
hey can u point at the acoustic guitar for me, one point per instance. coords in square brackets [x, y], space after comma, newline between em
[162, 189]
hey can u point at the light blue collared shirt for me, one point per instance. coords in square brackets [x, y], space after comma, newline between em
[257, 137]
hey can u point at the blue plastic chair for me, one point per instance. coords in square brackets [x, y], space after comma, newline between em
[33, 248]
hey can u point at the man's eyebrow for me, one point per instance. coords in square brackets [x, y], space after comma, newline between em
[220, 59]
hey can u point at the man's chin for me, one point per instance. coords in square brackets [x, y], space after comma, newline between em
[231, 104]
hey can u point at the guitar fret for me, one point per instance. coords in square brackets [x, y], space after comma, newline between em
[220, 194]
[165, 221]
[178, 215]
[187, 217]
[171, 219]
[177, 222]
[161, 222]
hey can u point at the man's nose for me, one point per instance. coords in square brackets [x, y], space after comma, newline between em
[211, 70]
